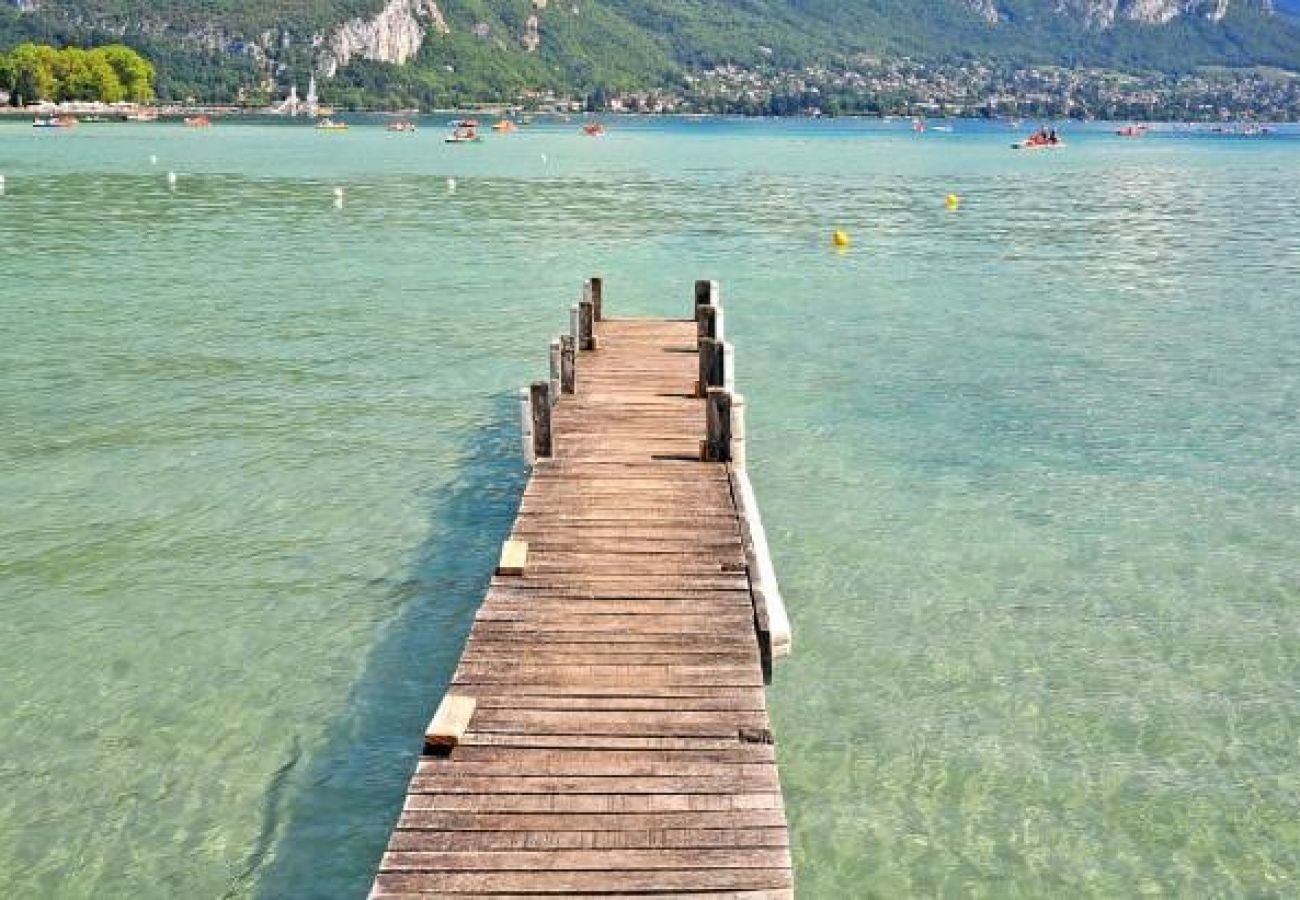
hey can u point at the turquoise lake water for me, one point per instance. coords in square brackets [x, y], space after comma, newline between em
[1030, 471]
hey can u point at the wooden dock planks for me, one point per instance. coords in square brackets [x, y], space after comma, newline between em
[619, 743]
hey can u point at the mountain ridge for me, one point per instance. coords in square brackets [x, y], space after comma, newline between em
[496, 48]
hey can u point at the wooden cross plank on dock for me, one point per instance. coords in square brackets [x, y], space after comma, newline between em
[606, 731]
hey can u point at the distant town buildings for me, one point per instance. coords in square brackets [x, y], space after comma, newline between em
[914, 88]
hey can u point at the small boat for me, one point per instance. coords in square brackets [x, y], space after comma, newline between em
[1132, 131]
[143, 115]
[55, 122]
[463, 134]
[331, 125]
[404, 126]
[1057, 144]
[1042, 139]
[505, 126]
[593, 129]
[198, 122]
[918, 126]
[465, 123]
[946, 129]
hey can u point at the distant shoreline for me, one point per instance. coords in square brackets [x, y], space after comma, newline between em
[174, 114]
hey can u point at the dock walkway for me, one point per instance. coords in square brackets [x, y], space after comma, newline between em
[606, 731]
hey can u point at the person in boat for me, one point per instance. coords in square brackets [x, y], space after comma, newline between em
[1052, 138]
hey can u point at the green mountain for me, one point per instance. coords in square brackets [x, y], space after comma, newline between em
[431, 51]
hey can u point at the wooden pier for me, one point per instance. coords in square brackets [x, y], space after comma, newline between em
[606, 731]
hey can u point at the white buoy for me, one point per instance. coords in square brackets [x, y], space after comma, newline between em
[544, 159]
[451, 185]
[338, 198]
[171, 179]
[2, 185]
[153, 159]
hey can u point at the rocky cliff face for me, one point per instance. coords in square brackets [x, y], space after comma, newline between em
[1106, 13]
[394, 35]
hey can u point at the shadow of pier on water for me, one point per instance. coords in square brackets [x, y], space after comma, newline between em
[326, 823]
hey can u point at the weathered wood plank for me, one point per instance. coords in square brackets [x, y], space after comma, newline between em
[548, 837]
[562, 882]
[449, 782]
[594, 763]
[449, 724]
[616, 860]
[593, 803]
[444, 820]
[739, 753]
[514, 558]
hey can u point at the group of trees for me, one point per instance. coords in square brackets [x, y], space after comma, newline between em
[111, 74]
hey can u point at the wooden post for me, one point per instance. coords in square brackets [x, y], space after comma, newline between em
[708, 293]
[762, 626]
[568, 365]
[556, 365]
[597, 298]
[737, 453]
[715, 366]
[526, 426]
[708, 323]
[540, 396]
[586, 329]
[708, 354]
[717, 443]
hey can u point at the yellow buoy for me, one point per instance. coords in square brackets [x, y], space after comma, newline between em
[840, 238]
[953, 201]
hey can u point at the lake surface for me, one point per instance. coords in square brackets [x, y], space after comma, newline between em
[1030, 469]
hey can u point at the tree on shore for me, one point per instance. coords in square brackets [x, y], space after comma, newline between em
[33, 72]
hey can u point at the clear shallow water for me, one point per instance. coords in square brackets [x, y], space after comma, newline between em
[1031, 472]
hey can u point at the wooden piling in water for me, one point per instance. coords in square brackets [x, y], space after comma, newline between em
[586, 326]
[556, 360]
[540, 401]
[717, 440]
[606, 730]
[596, 291]
[568, 365]
[526, 426]
[708, 293]
[708, 322]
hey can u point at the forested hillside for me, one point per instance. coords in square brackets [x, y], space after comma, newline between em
[424, 51]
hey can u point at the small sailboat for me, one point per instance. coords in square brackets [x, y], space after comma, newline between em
[331, 125]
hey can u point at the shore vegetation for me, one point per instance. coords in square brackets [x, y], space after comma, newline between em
[110, 74]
